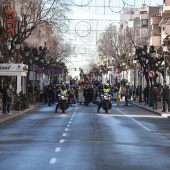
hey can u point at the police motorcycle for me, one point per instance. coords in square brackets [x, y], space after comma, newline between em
[62, 100]
[106, 101]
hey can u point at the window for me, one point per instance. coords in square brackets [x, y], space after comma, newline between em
[144, 23]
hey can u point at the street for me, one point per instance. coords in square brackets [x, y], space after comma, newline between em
[127, 138]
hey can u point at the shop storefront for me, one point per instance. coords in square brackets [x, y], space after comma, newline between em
[14, 74]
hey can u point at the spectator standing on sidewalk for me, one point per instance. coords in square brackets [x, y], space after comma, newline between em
[121, 91]
[165, 98]
[9, 97]
[4, 103]
[127, 94]
[155, 96]
[146, 94]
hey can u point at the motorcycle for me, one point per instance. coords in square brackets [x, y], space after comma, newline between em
[106, 102]
[63, 102]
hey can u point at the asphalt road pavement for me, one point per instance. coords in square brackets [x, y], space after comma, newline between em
[127, 138]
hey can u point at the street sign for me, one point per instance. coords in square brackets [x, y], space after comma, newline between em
[151, 73]
[140, 73]
[53, 71]
[39, 70]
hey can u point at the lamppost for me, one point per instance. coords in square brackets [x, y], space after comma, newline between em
[123, 66]
[165, 51]
[134, 95]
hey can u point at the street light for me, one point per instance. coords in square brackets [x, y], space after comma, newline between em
[165, 50]
[134, 62]
[122, 66]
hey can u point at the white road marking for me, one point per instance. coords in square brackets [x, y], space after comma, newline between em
[69, 122]
[53, 160]
[57, 149]
[140, 124]
[64, 134]
[71, 119]
[68, 125]
[61, 141]
[66, 129]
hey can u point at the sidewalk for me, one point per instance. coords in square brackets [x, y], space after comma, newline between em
[5, 117]
[158, 111]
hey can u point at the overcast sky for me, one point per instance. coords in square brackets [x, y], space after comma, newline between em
[89, 21]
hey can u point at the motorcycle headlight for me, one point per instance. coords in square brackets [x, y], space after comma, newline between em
[63, 97]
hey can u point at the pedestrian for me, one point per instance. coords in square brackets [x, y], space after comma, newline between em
[0, 101]
[155, 96]
[41, 95]
[71, 97]
[50, 95]
[80, 98]
[9, 98]
[127, 94]
[146, 94]
[121, 91]
[165, 98]
[45, 91]
[86, 94]
[4, 102]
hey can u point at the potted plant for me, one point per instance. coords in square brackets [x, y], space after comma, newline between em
[17, 103]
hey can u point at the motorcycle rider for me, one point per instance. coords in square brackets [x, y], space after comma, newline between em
[106, 89]
[63, 91]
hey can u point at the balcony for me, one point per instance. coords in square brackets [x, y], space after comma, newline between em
[155, 20]
[143, 15]
[166, 7]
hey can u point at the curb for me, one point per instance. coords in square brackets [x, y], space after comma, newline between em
[153, 111]
[19, 113]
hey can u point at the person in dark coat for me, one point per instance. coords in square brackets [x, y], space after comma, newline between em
[127, 94]
[146, 94]
[10, 98]
[4, 102]
[86, 94]
[165, 97]
[50, 94]
[155, 94]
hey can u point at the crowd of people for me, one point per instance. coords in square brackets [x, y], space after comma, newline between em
[89, 93]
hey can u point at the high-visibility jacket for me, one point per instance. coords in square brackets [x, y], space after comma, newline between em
[63, 91]
[106, 90]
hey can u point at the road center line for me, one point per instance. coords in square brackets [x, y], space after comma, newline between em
[68, 125]
[61, 141]
[53, 160]
[64, 134]
[140, 124]
[57, 149]
[66, 129]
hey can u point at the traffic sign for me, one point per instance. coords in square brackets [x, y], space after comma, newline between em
[53, 71]
[140, 73]
[39, 70]
[151, 73]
